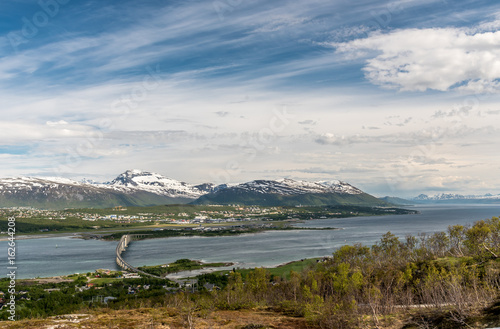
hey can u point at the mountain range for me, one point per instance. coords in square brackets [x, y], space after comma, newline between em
[288, 192]
[444, 198]
[141, 188]
[457, 198]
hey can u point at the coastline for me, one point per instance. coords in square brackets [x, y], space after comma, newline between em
[43, 236]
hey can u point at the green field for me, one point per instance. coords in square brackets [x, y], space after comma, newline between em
[179, 266]
[282, 271]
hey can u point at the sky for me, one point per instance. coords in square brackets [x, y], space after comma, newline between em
[394, 97]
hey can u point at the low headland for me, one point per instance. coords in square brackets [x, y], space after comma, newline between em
[172, 220]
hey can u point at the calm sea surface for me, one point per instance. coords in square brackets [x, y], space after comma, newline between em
[65, 255]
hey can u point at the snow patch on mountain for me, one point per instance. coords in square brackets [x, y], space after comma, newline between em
[452, 196]
[27, 183]
[288, 186]
[341, 187]
[154, 183]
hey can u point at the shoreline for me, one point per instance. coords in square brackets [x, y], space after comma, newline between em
[100, 233]
[86, 235]
[174, 275]
[44, 236]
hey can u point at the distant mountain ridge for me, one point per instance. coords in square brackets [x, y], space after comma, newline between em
[457, 198]
[142, 188]
[397, 201]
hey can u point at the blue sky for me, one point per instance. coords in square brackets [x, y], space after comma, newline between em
[395, 97]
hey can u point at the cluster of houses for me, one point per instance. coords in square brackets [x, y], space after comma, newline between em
[28, 212]
[183, 284]
[234, 213]
[238, 213]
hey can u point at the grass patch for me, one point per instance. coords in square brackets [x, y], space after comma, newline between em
[102, 281]
[297, 266]
[179, 266]
[282, 270]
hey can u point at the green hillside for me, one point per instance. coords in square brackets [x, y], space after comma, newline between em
[230, 196]
[398, 201]
[72, 199]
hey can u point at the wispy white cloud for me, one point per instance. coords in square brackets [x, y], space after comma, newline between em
[76, 101]
[425, 136]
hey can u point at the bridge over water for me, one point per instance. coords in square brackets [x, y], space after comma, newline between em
[122, 246]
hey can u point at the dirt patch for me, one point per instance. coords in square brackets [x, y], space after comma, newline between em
[55, 279]
[163, 318]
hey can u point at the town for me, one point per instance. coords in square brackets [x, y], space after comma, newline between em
[32, 220]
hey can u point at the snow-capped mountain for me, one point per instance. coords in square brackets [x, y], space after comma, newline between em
[140, 188]
[158, 184]
[53, 193]
[292, 187]
[132, 188]
[290, 192]
[209, 187]
[450, 197]
[23, 184]
[341, 187]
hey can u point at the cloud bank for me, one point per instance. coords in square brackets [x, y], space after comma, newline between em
[443, 59]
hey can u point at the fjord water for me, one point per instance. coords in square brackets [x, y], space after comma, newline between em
[65, 255]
